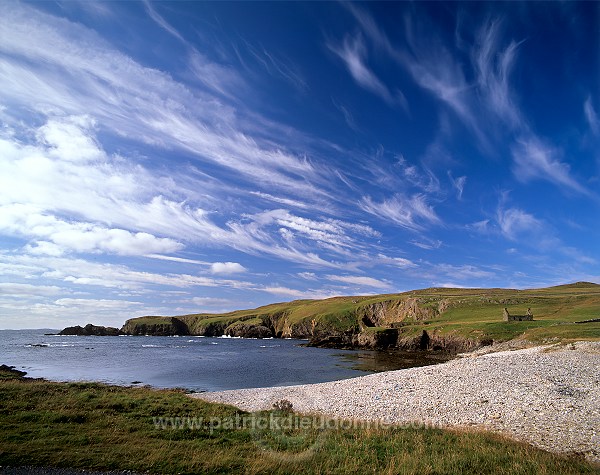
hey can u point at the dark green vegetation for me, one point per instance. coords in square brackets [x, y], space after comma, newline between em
[93, 426]
[436, 318]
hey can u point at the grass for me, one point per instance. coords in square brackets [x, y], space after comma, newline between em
[94, 426]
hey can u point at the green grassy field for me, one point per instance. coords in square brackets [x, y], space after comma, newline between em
[93, 426]
[473, 314]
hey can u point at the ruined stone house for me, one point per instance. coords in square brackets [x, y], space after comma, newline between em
[517, 318]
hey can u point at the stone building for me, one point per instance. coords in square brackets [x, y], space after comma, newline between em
[517, 318]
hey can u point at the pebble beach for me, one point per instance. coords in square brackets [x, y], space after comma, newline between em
[547, 396]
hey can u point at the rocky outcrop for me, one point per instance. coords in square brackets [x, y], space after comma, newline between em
[340, 341]
[248, 331]
[11, 371]
[434, 341]
[395, 339]
[162, 326]
[90, 330]
[380, 339]
[384, 313]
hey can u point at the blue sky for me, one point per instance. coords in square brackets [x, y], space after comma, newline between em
[171, 158]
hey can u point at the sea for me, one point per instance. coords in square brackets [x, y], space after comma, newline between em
[193, 363]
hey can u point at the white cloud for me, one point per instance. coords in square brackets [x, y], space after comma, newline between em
[57, 236]
[400, 262]
[277, 67]
[493, 68]
[458, 184]
[43, 248]
[535, 160]
[434, 68]
[412, 213]
[65, 141]
[107, 190]
[160, 21]
[209, 301]
[216, 77]
[29, 290]
[515, 222]
[81, 88]
[299, 294]
[96, 304]
[279, 199]
[438, 70]
[427, 243]
[94, 275]
[360, 281]
[482, 226]
[82, 74]
[227, 268]
[464, 272]
[181, 260]
[348, 117]
[591, 116]
[353, 53]
[450, 285]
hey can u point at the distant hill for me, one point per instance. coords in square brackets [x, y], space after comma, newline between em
[435, 318]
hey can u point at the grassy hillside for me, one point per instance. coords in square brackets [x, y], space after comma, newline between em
[461, 317]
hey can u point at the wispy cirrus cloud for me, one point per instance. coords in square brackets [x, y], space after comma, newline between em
[413, 212]
[114, 205]
[458, 184]
[492, 59]
[493, 66]
[288, 292]
[88, 77]
[29, 290]
[160, 21]
[276, 66]
[359, 280]
[430, 63]
[515, 223]
[533, 159]
[591, 116]
[86, 274]
[354, 54]
[348, 116]
[464, 272]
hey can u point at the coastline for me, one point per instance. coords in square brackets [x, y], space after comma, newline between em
[547, 396]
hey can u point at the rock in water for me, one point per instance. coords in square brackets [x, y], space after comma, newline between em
[90, 330]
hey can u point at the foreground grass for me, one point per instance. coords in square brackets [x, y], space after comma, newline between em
[94, 426]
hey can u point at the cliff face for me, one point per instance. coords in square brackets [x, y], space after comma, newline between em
[248, 331]
[384, 313]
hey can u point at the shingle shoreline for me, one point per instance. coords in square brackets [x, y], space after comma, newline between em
[548, 396]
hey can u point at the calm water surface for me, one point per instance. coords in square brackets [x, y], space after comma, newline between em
[193, 363]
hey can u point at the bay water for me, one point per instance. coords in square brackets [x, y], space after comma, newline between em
[192, 363]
